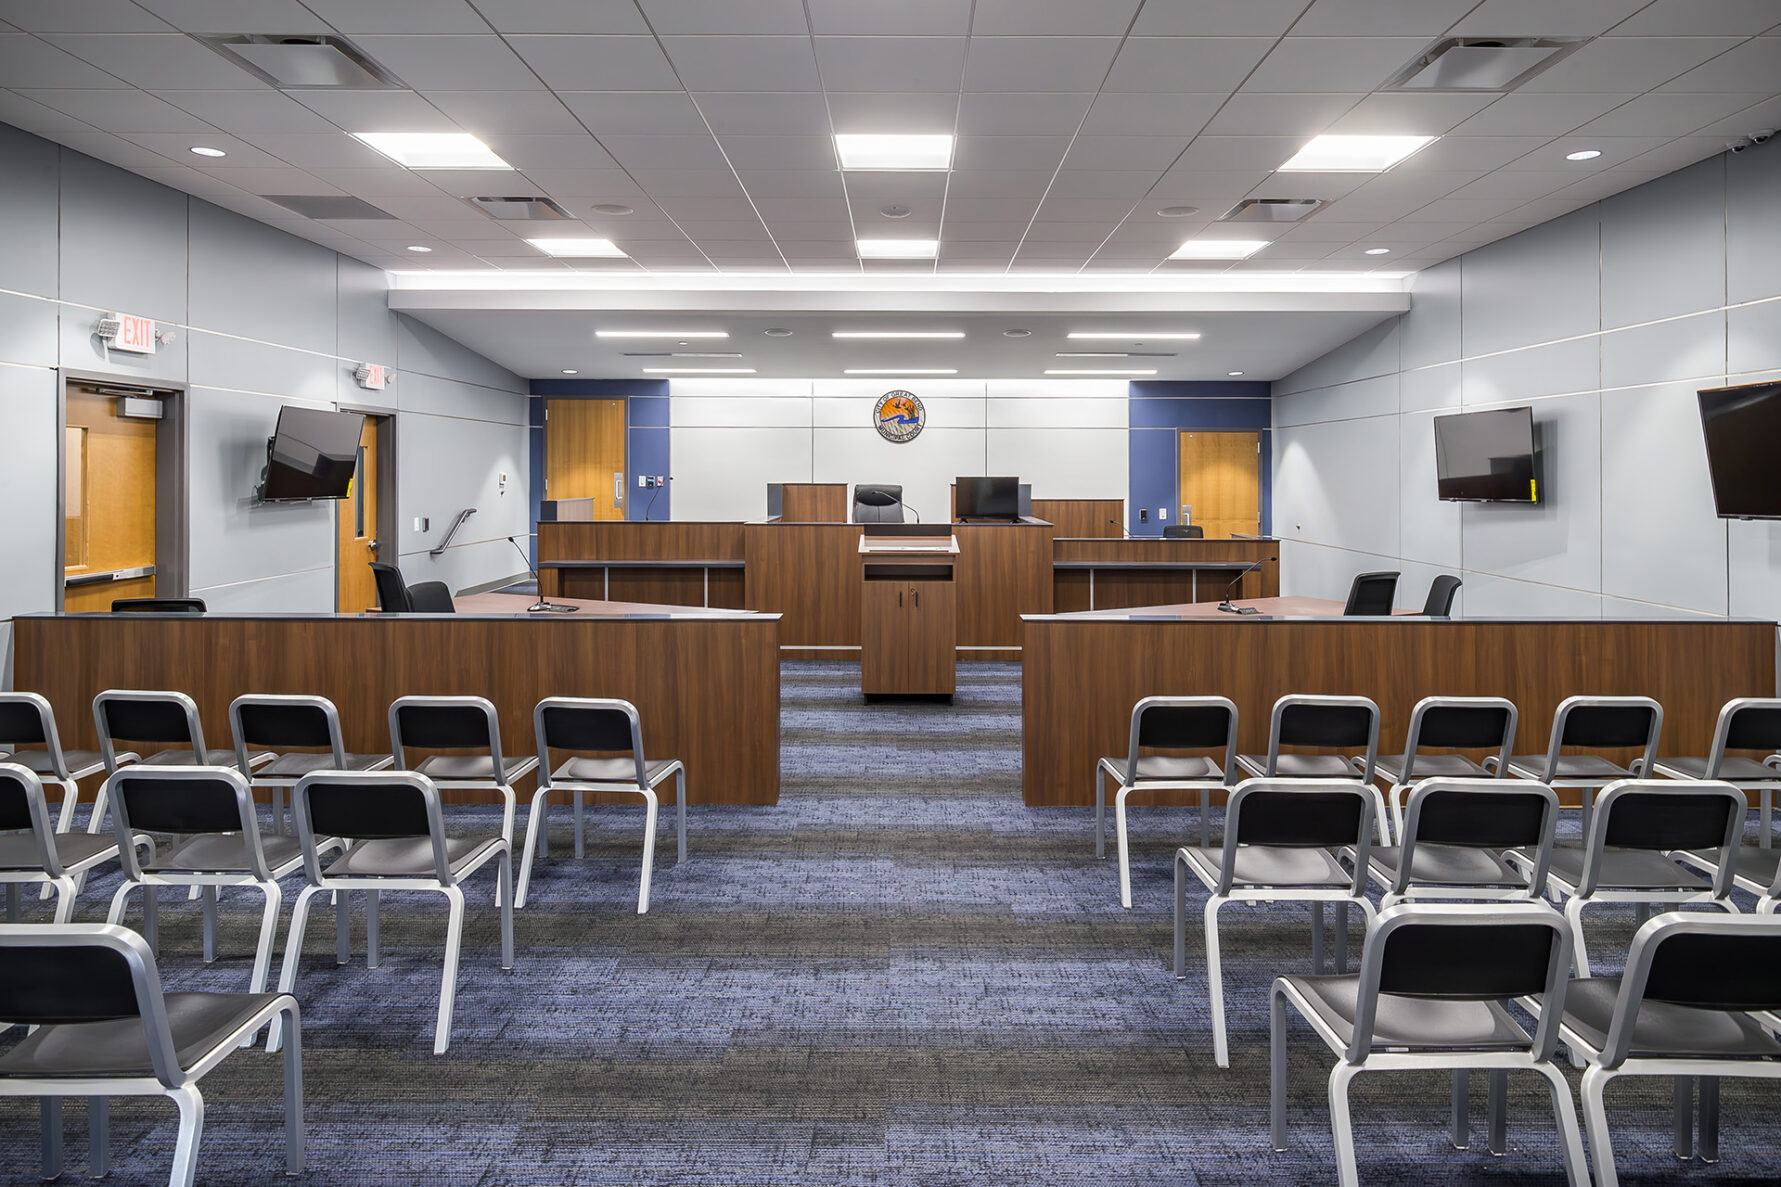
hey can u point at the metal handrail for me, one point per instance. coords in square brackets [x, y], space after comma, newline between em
[466, 513]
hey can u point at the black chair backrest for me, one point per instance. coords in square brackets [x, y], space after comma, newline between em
[157, 606]
[584, 727]
[1463, 727]
[283, 726]
[1184, 727]
[1440, 599]
[442, 727]
[1752, 727]
[392, 591]
[64, 984]
[15, 804]
[1481, 962]
[1325, 725]
[1607, 727]
[1501, 818]
[1184, 531]
[431, 597]
[145, 720]
[354, 809]
[877, 503]
[1300, 818]
[156, 804]
[1372, 594]
[1718, 971]
[21, 721]
[1666, 820]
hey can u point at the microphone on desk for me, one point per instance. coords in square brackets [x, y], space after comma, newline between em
[1124, 532]
[1251, 567]
[541, 606]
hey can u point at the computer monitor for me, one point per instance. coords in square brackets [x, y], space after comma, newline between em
[988, 498]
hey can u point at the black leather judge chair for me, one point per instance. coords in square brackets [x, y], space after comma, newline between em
[396, 596]
[1372, 594]
[877, 503]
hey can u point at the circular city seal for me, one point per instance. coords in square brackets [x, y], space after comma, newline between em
[899, 417]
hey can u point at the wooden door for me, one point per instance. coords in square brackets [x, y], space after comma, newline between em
[1220, 479]
[108, 509]
[584, 453]
[356, 526]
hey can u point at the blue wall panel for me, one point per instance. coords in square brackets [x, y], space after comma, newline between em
[1158, 410]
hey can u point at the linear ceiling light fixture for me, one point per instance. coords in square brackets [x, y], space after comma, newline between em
[898, 249]
[698, 370]
[579, 248]
[1218, 249]
[1136, 335]
[897, 334]
[1108, 371]
[900, 371]
[896, 151]
[433, 150]
[661, 333]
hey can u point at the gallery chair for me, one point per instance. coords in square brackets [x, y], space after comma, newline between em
[28, 729]
[1625, 857]
[306, 729]
[1439, 726]
[1430, 996]
[1281, 840]
[33, 852]
[1455, 836]
[1697, 999]
[1752, 725]
[1328, 723]
[1372, 594]
[1593, 723]
[591, 726]
[399, 842]
[1176, 724]
[1440, 600]
[469, 729]
[105, 1028]
[157, 718]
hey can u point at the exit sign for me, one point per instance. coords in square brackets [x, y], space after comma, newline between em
[373, 376]
[134, 334]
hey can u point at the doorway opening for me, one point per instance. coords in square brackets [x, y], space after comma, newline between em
[365, 523]
[1219, 482]
[584, 458]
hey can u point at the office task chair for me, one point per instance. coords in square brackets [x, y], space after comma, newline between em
[157, 606]
[1371, 594]
[1593, 723]
[103, 1027]
[307, 728]
[877, 503]
[1184, 531]
[1440, 599]
[1751, 724]
[28, 728]
[400, 843]
[396, 596]
[33, 852]
[1429, 996]
[1448, 724]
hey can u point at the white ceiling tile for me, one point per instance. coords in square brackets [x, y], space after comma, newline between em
[194, 182]
[1102, 183]
[32, 116]
[451, 63]
[1677, 154]
[1013, 63]
[1397, 113]
[1614, 150]
[120, 111]
[1064, 235]
[993, 231]
[939, 18]
[1523, 187]
[1254, 113]
[374, 185]
[599, 185]
[910, 111]
[487, 112]
[916, 190]
[376, 111]
[1543, 18]
[309, 150]
[998, 183]
[1475, 153]
[576, 150]
[562, 16]
[1333, 63]
[176, 146]
[1153, 113]
[665, 152]
[764, 113]
[1217, 153]
[1009, 152]
[1752, 66]
[793, 183]
[400, 16]
[725, 16]
[1318, 230]
[1187, 185]
[891, 63]
[1006, 113]
[152, 61]
[1682, 18]
[780, 152]
[1019, 210]
[617, 63]
[1181, 65]
[1052, 18]
[635, 113]
[737, 231]
[1217, 18]
[1634, 64]
[1155, 153]
[1425, 186]
[1374, 18]
[1085, 210]
[244, 112]
[744, 63]
[800, 209]
[1328, 186]
[113, 149]
[60, 16]
[1669, 114]
[277, 179]
[1467, 212]
[1766, 114]
[1540, 115]
[663, 184]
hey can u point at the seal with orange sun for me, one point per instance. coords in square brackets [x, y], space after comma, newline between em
[899, 417]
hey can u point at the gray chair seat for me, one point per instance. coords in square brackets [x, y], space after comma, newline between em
[1570, 766]
[1431, 766]
[1624, 869]
[18, 851]
[1410, 1021]
[1170, 767]
[450, 767]
[1734, 767]
[219, 853]
[407, 857]
[1267, 865]
[81, 763]
[609, 770]
[1663, 1028]
[1755, 865]
[1299, 766]
[189, 758]
[1446, 865]
[297, 765]
[198, 1021]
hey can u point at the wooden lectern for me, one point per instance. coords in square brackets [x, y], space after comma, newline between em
[908, 611]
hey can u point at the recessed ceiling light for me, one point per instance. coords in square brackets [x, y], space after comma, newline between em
[433, 150]
[872, 151]
[603, 249]
[1135, 336]
[1017, 333]
[614, 209]
[1378, 251]
[898, 334]
[1583, 154]
[698, 370]
[1233, 374]
[896, 210]
[419, 247]
[898, 249]
[1177, 211]
[1066, 371]
[1218, 249]
[1353, 154]
[901, 371]
[777, 332]
[204, 150]
[570, 371]
[661, 333]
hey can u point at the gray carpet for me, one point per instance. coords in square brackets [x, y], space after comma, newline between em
[899, 975]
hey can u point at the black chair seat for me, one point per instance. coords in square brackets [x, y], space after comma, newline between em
[407, 857]
[1756, 865]
[1446, 865]
[1300, 766]
[1734, 767]
[609, 770]
[199, 1022]
[1412, 1021]
[222, 853]
[1267, 865]
[297, 765]
[18, 851]
[1624, 869]
[1663, 1028]
[449, 767]
[1431, 766]
[1570, 766]
[189, 758]
[81, 763]
[1170, 767]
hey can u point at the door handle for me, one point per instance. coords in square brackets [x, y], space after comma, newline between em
[373, 546]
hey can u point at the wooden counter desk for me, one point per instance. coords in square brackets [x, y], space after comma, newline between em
[1082, 673]
[1100, 574]
[706, 683]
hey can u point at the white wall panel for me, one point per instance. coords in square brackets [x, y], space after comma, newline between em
[1064, 463]
[1686, 348]
[1663, 248]
[924, 468]
[722, 474]
[1559, 540]
[1558, 368]
[1538, 286]
[1058, 389]
[1015, 412]
[943, 412]
[1337, 484]
[1428, 529]
[447, 464]
[28, 490]
[1377, 396]
[1489, 596]
[740, 412]
[307, 592]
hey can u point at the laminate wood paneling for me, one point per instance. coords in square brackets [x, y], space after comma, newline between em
[636, 540]
[1002, 572]
[814, 502]
[1082, 517]
[810, 573]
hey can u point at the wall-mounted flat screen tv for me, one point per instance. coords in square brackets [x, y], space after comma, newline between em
[313, 454]
[1486, 457]
[1742, 426]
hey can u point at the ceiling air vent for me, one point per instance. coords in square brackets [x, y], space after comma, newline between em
[327, 206]
[521, 209]
[1482, 63]
[1271, 210]
[302, 62]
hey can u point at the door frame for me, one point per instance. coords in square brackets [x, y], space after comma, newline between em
[172, 469]
[544, 495]
[389, 522]
[1264, 460]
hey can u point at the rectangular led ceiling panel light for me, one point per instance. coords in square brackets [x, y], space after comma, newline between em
[873, 151]
[579, 248]
[1218, 249]
[1353, 154]
[433, 150]
[898, 249]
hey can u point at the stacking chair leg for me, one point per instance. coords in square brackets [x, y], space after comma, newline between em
[191, 1129]
[505, 871]
[1277, 1068]
[680, 826]
[151, 913]
[12, 902]
[49, 1133]
[268, 935]
[649, 849]
[1221, 1053]
[1462, 1109]
[342, 926]
[373, 949]
[1347, 1172]
[454, 938]
[1570, 1132]
[1708, 1146]
[293, 954]
[580, 841]
[1595, 1120]
[1125, 848]
[1579, 952]
[1317, 938]
[209, 924]
[1499, 1111]
[535, 824]
[98, 1137]
[1682, 1117]
[1100, 811]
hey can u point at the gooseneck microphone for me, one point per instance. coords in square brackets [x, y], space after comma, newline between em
[1251, 567]
[652, 498]
[541, 606]
[1124, 532]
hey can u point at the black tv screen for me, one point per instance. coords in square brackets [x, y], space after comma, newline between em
[988, 498]
[313, 454]
[1486, 457]
[1742, 426]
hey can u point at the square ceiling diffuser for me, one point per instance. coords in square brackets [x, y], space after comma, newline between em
[520, 208]
[1271, 210]
[1482, 63]
[302, 62]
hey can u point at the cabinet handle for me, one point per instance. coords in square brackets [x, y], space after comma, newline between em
[899, 597]
[916, 598]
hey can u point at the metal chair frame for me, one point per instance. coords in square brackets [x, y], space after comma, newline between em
[1405, 780]
[60, 772]
[63, 880]
[1546, 770]
[280, 783]
[1403, 885]
[1765, 787]
[1258, 767]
